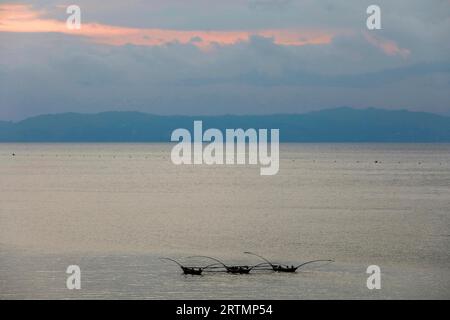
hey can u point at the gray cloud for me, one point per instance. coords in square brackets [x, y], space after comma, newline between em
[48, 73]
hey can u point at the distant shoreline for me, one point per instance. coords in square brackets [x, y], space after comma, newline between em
[338, 125]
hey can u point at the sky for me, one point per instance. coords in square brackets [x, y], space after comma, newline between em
[209, 57]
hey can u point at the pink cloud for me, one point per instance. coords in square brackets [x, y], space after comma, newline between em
[23, 18]
[389, 47]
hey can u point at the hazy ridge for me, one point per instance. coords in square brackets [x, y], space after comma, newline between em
[331, 125]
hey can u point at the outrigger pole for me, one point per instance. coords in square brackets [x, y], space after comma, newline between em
[305, 263]
[187, 270]
[254, 254]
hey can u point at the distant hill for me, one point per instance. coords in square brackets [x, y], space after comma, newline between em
[331, 125]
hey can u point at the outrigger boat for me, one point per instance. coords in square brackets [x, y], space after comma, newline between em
[277, 267]
[220, 266]
[188, 270]
[229, 269]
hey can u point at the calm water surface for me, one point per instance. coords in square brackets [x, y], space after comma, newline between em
[114, 209]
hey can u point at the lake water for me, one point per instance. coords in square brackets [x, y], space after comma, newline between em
[114, 209]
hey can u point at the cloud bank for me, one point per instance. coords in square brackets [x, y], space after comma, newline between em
[208, 57]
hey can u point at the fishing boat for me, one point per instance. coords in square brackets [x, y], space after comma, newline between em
[219, 266]
[237, 269]
[187, 270]
[278, 267]
[192, 270]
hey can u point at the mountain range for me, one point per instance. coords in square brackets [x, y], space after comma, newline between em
[331, 125]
